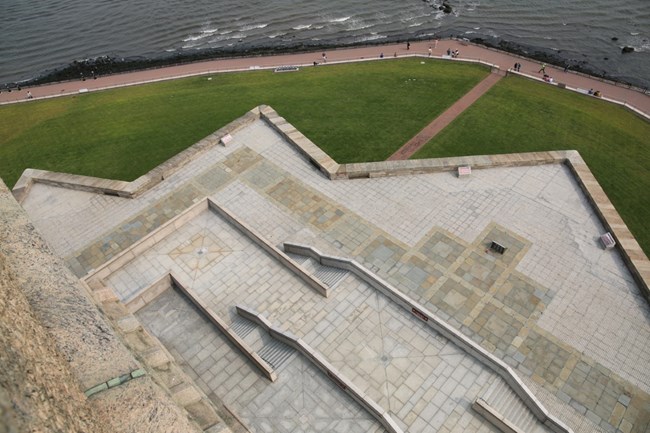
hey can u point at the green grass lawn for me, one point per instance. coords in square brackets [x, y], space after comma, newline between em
[518, 115]
[355, 112]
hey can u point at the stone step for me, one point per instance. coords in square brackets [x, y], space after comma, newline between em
[328, 275]
[275, 353]
[298, 258]
[506, 402]
[242, 327]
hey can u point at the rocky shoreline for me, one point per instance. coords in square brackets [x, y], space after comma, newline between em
[107, 65]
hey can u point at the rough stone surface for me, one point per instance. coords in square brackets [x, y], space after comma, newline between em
[55, 344]
[37, 390]
[143, 408]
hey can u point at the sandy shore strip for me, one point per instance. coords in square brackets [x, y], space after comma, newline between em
[504, 60]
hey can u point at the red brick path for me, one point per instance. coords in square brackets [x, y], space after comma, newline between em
[504, 60]
[440, 122]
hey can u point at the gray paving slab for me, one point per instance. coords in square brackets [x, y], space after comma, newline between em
[426, 234]
[303, 399]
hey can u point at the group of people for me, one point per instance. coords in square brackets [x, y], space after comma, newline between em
[517, 67]
[594, 92]
[453, 54]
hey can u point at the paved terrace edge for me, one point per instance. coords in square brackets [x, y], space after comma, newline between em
[134, 188]
[632, 253]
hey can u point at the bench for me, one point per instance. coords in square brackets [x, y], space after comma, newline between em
[286, 69]
[464, 170]
[226, 139]
[608, 241]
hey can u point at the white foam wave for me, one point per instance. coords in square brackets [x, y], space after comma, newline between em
[371, 37]
[339, 20]
[358, 25]
[302, 27]
[204, 34]
[253, 27]
[194, 38]
[275, 35]
[415, 25]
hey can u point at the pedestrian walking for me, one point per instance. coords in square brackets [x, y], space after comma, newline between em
[408, 45]
[324, 58]
[29, 95]
[430, 51]
[543, 68]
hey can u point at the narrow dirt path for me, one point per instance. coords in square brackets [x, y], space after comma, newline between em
[440, 122]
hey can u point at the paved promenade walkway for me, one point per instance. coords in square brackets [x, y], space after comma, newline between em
[440, 122]
[504, 60]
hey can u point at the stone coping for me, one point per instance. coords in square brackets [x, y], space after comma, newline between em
[633, 256]
[222, 326]
[145, 296]
[379, 413]
[140, 185]
[149, 294]
[146, 242]
[632, 253]
[440, 326]
[160, 364]
[270, 249]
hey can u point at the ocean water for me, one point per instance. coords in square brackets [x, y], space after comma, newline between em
[39, 36]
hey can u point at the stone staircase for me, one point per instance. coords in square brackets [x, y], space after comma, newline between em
[328, 275]
[272, 351]
[503, 400]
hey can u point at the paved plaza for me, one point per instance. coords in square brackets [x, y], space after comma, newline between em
[560, 310]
